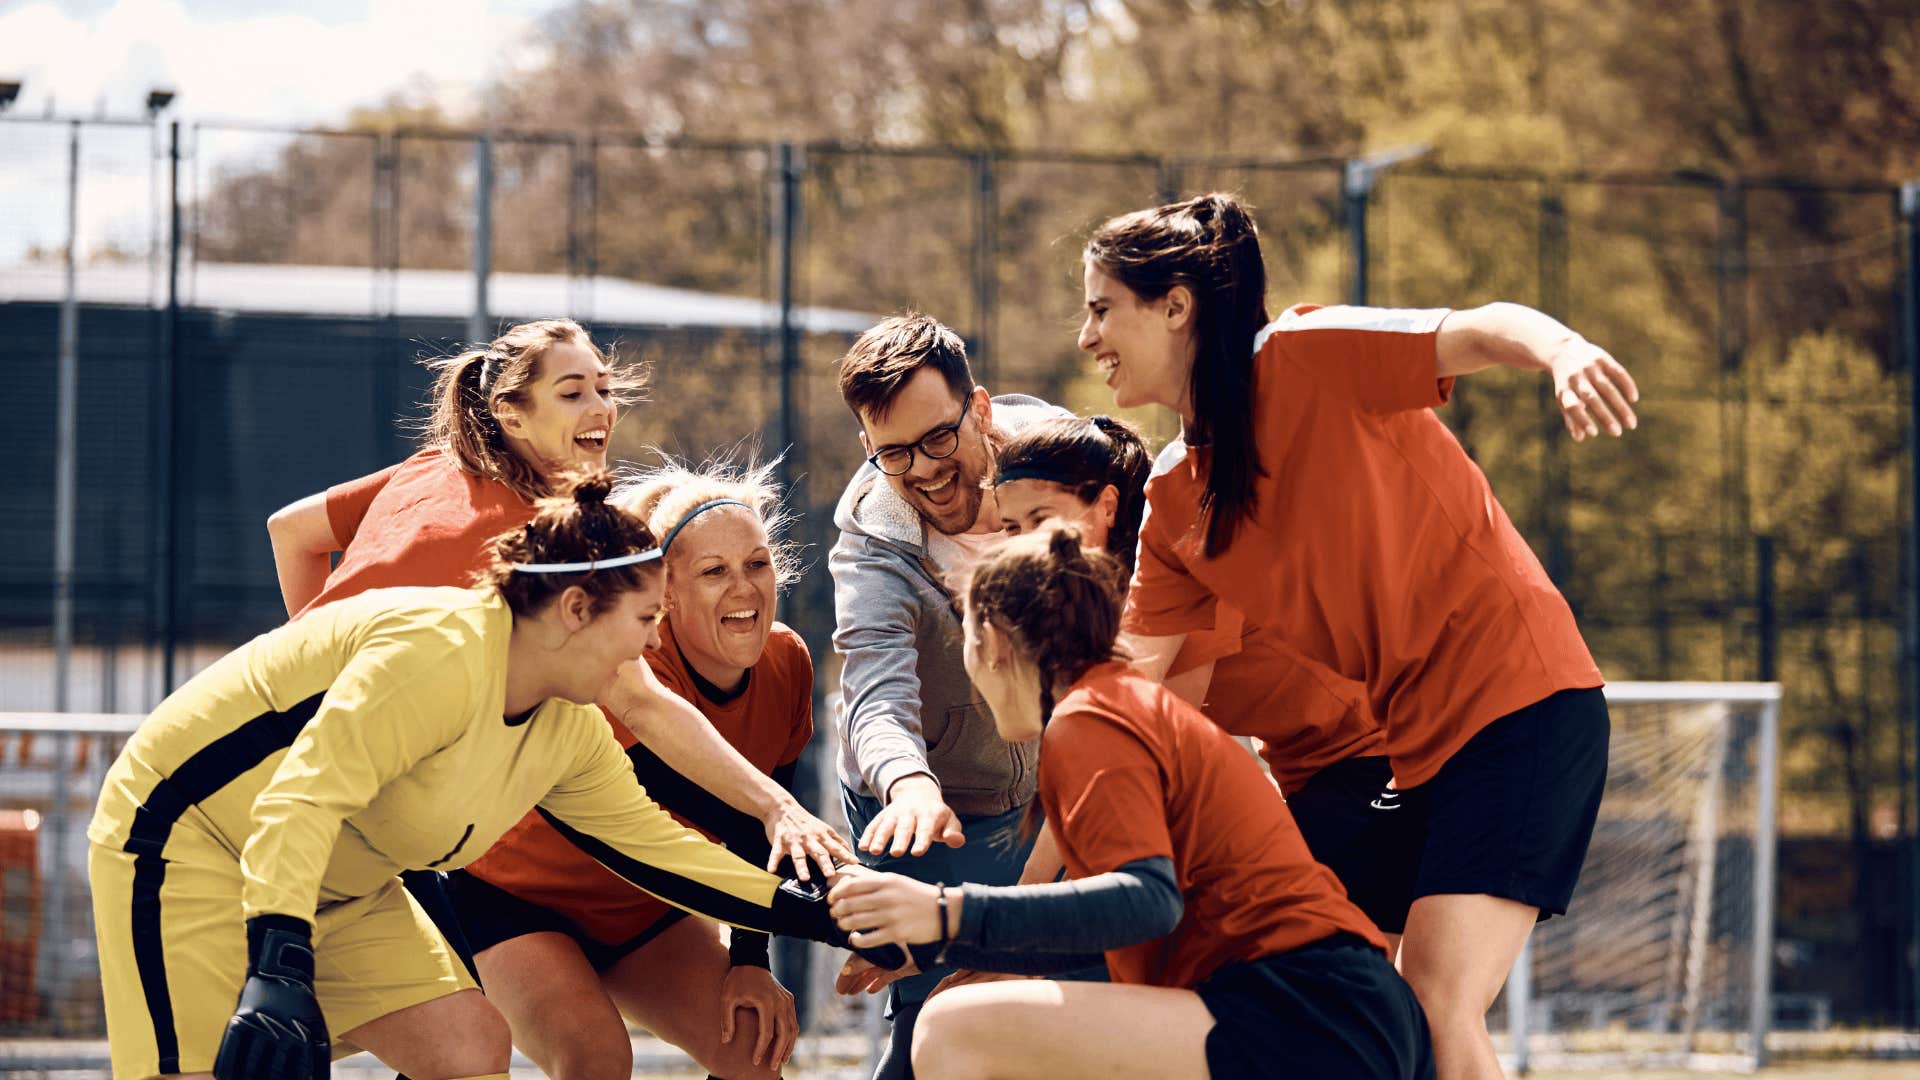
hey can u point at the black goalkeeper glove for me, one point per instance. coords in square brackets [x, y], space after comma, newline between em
[803, 905]
[277, 1032]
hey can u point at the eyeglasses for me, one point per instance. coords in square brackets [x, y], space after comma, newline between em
[939, 443]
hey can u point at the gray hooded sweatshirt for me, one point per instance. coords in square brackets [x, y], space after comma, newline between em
[906, 704]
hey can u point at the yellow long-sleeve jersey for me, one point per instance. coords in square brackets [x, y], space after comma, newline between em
[368, 738]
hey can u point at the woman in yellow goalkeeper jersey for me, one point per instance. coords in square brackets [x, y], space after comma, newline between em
[247, 840]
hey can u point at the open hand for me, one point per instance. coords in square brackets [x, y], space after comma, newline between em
[915, 816]
[1592, 389]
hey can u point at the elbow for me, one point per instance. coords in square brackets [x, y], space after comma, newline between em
[1167, 917]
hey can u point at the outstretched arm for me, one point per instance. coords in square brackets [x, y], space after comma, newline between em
[1022, 929]
[687, 743]
[1593, 389]
[600, 809]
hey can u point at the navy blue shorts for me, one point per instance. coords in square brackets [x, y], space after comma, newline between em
[491, 915]
[1359, 829]
[1510, 814]
[1333, 1008]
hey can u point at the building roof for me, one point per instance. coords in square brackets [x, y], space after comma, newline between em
[361, 291]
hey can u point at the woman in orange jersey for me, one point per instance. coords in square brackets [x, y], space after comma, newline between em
[1313, 728]
[565, 948]
[509, 420]
[1321, 495]
[1233, 953]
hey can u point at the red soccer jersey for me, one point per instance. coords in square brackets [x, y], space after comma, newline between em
[1375, 546]
[769, 723]
[1129, 771]
[1304, 715]
[421, 522]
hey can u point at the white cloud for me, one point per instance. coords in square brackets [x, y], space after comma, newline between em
[307, 62]
[298, 64]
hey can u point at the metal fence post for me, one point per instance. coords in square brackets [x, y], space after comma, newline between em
[985, 257]
[1357, 186]
[478, 331]
[66, 430]
[1730, 288]
[1554, 451]
[1760, 1011]
[168, 434]
[794, 957]
[1910, 350]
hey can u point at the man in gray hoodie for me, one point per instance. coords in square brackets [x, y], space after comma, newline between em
[931, 789]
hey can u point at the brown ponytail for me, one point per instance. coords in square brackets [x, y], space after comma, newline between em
[1210, 245]
[1059, 603]
[576, 525]
[1061, 606]
[470, 385]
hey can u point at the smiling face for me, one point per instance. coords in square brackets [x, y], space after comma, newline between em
[1143, 348]
[721, 591]
[1025, 505]
[945, 492]
[566, 413]
[626, 628]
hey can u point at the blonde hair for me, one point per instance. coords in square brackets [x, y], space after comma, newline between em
[469, 385]
[665, 494]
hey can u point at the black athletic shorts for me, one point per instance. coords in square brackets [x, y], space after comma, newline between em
[1332, 1008]
[1356, 826]
[1510, 814]
[491, 915]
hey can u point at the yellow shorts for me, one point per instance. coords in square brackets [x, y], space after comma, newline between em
[173, 954]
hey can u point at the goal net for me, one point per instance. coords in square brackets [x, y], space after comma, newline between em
[1662, 959]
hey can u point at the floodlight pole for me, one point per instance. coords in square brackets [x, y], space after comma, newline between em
[1362, 173]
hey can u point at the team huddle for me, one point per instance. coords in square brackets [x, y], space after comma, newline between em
[517, 770]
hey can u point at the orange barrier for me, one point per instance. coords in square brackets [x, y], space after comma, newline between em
[19, 913]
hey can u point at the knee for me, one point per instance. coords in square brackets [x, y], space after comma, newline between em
[489, 1038]
[734, 1060]
[950, 1040]
[596, 1056]
[1449, 1000]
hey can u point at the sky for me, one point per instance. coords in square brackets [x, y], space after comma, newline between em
[292, 61]
[281, 62]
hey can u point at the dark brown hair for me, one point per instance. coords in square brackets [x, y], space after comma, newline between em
[884, 358]
[576, 525]
[1085, 456]
[1210, 245]
[468, 386]
[1060, 603]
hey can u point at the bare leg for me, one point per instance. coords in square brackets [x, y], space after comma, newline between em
[1456, 954]
[671, 987]
[560, 1016]
[459, 1035]
[1045, 1030]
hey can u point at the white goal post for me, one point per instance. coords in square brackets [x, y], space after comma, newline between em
[1678, 884]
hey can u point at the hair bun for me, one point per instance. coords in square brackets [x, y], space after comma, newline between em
[592, 487]
[1064, 543]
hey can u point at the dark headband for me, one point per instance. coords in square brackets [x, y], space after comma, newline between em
[1033, 472]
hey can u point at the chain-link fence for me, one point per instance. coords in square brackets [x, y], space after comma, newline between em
[247, 305]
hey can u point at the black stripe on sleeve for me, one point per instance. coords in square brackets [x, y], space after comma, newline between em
[794, 911]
